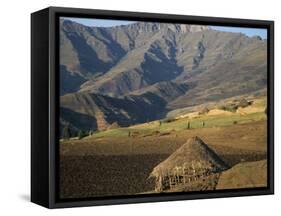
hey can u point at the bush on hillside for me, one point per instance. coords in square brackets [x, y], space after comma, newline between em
[81, 134]
[66, 133]
[205, 110]
[168, 120]
[228, 107]
[243, 103]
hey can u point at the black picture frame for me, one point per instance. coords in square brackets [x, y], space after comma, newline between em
[45, 106]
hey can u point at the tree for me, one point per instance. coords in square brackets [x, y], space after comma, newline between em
[243, 103]
[91, 132]
[188, 125]
[229, 107]
[205, 110]
[81, 134]
[66, 133]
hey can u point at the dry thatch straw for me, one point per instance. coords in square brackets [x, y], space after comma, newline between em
[194, 158]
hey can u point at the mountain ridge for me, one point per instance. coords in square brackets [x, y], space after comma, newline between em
[175, 65]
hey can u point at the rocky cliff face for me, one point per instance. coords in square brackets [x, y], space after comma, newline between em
[175, 65]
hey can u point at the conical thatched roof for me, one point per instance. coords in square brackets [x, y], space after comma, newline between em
[194, 154]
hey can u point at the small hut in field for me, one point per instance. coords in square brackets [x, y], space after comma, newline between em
[192, 161]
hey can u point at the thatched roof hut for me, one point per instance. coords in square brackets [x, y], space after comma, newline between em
[192, 160]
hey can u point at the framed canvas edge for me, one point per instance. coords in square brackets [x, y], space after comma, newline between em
[55, 203]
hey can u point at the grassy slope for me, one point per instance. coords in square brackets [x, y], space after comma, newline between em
[218, 131]
[180, 124]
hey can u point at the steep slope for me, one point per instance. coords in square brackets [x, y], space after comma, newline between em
[167, 90]
[98, 112]
[87, 52]
[127, 55]
[76, 121]
[238, 69]
[69, 81]
[143, 66]
[155, 65]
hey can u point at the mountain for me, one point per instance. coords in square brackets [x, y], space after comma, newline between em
[99, 112]
[104, 69]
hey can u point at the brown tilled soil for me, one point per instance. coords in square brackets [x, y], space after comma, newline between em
[96, 175]
[120, 165]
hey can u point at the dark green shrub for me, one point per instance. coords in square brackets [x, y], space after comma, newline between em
[243, 103]
[188, 125]
[168, 120]
[135, 134]
[81, 134]
[66, 133]
[203, 124]
[205, 110]
[228, 107]
[155, 132]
